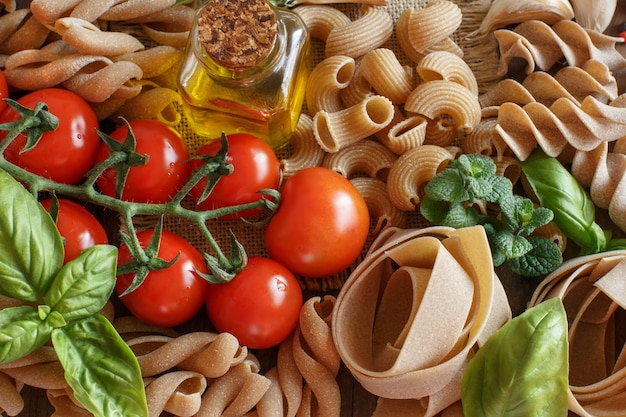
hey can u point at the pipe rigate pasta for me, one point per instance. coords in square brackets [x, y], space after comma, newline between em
[447, 66]
[365, 157]
[379, 205]
[152, 102]
[368, 32]
[412, 171]
[327, 79]
[335, 130]
[306, 152]
[404, 133]
[321, 19]
[542, 46]
[438, 98]
[420, 31]
[382, 69]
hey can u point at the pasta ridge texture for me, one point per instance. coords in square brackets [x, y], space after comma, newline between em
[542, 46]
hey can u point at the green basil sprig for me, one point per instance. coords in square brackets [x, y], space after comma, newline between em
[62, 304]
[522, 369]
[574, 211]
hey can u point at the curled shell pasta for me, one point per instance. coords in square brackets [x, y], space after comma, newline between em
[321, 19]
[438, 98]
[420, 30]
[379, 205]
[412, 171]
[327, 79]
[371, 30]
[367, 157]
[306, 151]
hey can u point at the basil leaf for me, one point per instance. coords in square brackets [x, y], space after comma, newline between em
[522, 369]
[85, 283]
[557, 189]
[100, 368]
[21, 332]
[31, 249]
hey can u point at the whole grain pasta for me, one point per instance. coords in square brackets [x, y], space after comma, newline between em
[48, 11]
[371, 30]
[152, 102]
[592, 291]
[306, 152]
[321, 19]
[97, 84]
[379, 205]
[542, 46]
[443, 65]
[20, 30]
[132, 9]
[382, 69]
[365, 157]
[404, 134]
[154, 61]
[335, 130]
[438, 98]
[178, 393]
[326, 81]
[441, 132]
[419, 30]
[89, 39]
[391, 304]
[169, 26]
[412, 171]
[358, 89]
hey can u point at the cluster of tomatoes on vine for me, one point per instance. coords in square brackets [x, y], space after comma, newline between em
[317, 225]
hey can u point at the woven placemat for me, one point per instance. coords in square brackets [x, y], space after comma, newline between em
[480, 52]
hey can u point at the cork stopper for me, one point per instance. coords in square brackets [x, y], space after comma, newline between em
[237, 34]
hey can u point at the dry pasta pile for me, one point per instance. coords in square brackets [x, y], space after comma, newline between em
[395, 92]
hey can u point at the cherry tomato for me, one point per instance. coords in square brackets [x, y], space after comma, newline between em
[260, 306]
[171, 296]
[4, 92]
[78, 227]
[66, 153]
[255, 167]
[321, 224]
[165, 172]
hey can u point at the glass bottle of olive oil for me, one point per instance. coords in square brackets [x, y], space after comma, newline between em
[245, 70]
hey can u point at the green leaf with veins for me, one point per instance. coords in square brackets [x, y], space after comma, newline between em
[448, 201]
[522, 369]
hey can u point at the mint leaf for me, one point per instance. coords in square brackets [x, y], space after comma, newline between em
[542, 259]
[522, 369]
[511, 245]
[448, 185]
[459, 215]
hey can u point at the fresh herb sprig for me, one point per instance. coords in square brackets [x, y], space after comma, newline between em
[61, 303]
[451, 198]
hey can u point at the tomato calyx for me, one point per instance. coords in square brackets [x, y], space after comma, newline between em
[144, 260]
[223, 269]
[213, 168]
[123, 157]
[32, 122]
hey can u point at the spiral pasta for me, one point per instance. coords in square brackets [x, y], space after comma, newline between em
[542, 46]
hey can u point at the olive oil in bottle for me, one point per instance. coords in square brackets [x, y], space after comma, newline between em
[245, 70]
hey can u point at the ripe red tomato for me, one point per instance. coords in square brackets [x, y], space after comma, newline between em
[321, 224]
[78, 227]
[66, 153]
[165, 172]
[171, 296]
[255, 167]
[4, 91]
[260, 306]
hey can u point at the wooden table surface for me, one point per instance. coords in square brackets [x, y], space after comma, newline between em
[356, 402]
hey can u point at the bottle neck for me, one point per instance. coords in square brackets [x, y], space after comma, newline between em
[240, 39]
